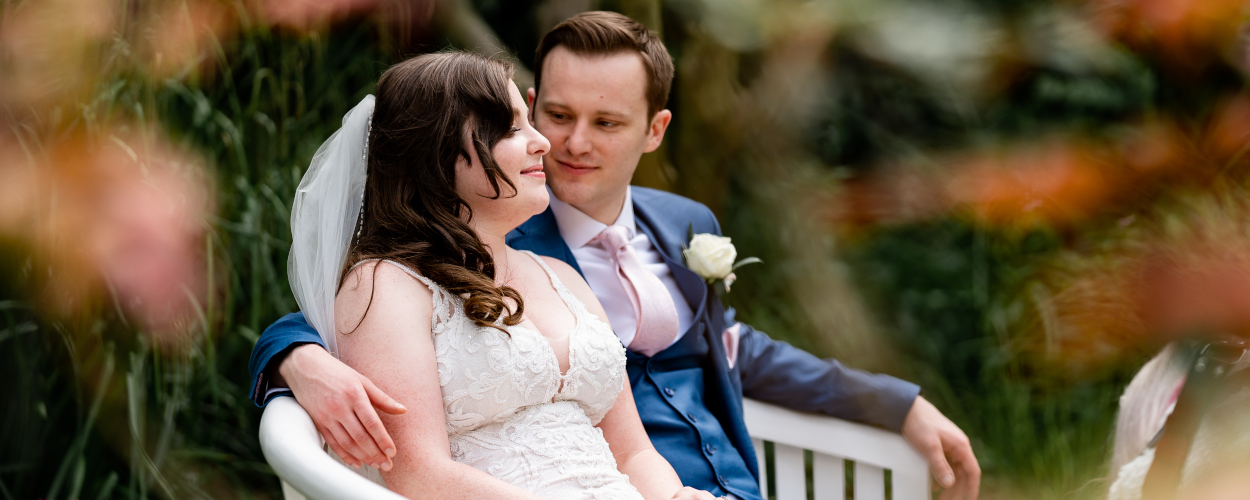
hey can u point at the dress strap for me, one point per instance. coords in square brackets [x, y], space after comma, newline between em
[571, 301]
[443, 307]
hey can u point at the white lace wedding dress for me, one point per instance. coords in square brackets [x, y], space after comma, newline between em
[511, 414]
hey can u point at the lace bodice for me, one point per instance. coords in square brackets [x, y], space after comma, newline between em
[512, 414]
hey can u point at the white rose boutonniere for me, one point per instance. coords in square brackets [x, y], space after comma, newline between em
[712, 258]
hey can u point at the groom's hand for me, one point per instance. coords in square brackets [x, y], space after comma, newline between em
[944, 446]
[341, 403]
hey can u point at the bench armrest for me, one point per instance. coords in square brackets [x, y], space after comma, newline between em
[293, 448]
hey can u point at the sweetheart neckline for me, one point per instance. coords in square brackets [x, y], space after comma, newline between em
[558, 287]
[552, 350]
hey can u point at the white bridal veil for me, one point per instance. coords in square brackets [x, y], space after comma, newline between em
[324, 219]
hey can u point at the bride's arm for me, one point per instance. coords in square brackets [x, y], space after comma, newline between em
[635, 456]
[393, 347]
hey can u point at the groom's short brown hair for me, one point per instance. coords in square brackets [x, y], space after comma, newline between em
[607, 33]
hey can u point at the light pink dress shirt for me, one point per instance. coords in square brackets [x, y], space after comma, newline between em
[579, 229]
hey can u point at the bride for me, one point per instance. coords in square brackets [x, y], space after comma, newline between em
[515, 382]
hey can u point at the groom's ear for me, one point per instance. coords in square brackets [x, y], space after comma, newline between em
[655, 132]
[530, 94]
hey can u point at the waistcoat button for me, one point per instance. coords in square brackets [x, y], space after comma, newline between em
[711, 450]
[692, 417]
[668, 391]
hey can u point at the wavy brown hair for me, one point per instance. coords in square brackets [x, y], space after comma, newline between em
[426, 107]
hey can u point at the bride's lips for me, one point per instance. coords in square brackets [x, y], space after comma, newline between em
[575, 168]
[535, 171]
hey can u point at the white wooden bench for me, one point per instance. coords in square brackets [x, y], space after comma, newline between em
[295, 451]
[832, 442]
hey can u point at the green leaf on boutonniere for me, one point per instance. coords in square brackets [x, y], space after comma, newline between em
[743, 262]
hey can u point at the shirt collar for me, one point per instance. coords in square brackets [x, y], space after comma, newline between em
[579, 229]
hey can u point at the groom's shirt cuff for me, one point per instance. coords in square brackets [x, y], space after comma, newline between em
[274, 392]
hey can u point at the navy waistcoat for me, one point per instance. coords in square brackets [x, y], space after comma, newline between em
[671, 392]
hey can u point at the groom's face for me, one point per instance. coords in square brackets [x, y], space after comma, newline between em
[593, 109]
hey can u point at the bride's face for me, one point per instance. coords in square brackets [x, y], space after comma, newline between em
[519, 156]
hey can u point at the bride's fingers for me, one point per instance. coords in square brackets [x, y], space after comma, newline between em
[688, 493]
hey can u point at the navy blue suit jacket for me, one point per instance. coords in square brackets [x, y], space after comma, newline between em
[766, 369]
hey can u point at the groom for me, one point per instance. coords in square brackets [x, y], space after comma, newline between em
[602, 81]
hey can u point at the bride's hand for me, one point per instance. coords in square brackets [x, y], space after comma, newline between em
[341, 403]
[688, 493]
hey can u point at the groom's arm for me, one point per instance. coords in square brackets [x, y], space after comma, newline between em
[779, 373]
[271, 349]
[289, 359]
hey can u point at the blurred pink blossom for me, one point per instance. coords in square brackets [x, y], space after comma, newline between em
[305, 15]
[123, 216]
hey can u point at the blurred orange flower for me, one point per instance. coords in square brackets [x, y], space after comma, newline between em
[182, 35]
[1058, 181]
[1186, 274]
[304, 15]
[1197, 290]
[1230, 129]
[1185, 32]
[50, 47]
[124, 216]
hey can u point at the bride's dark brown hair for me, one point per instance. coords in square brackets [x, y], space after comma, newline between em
[425, 108]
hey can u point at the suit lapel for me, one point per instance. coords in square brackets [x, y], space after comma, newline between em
[726, 401]
[541, 235]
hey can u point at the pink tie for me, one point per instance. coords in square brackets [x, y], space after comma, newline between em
[657, 315]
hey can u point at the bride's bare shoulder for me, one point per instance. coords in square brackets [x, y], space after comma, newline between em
[378, 293]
